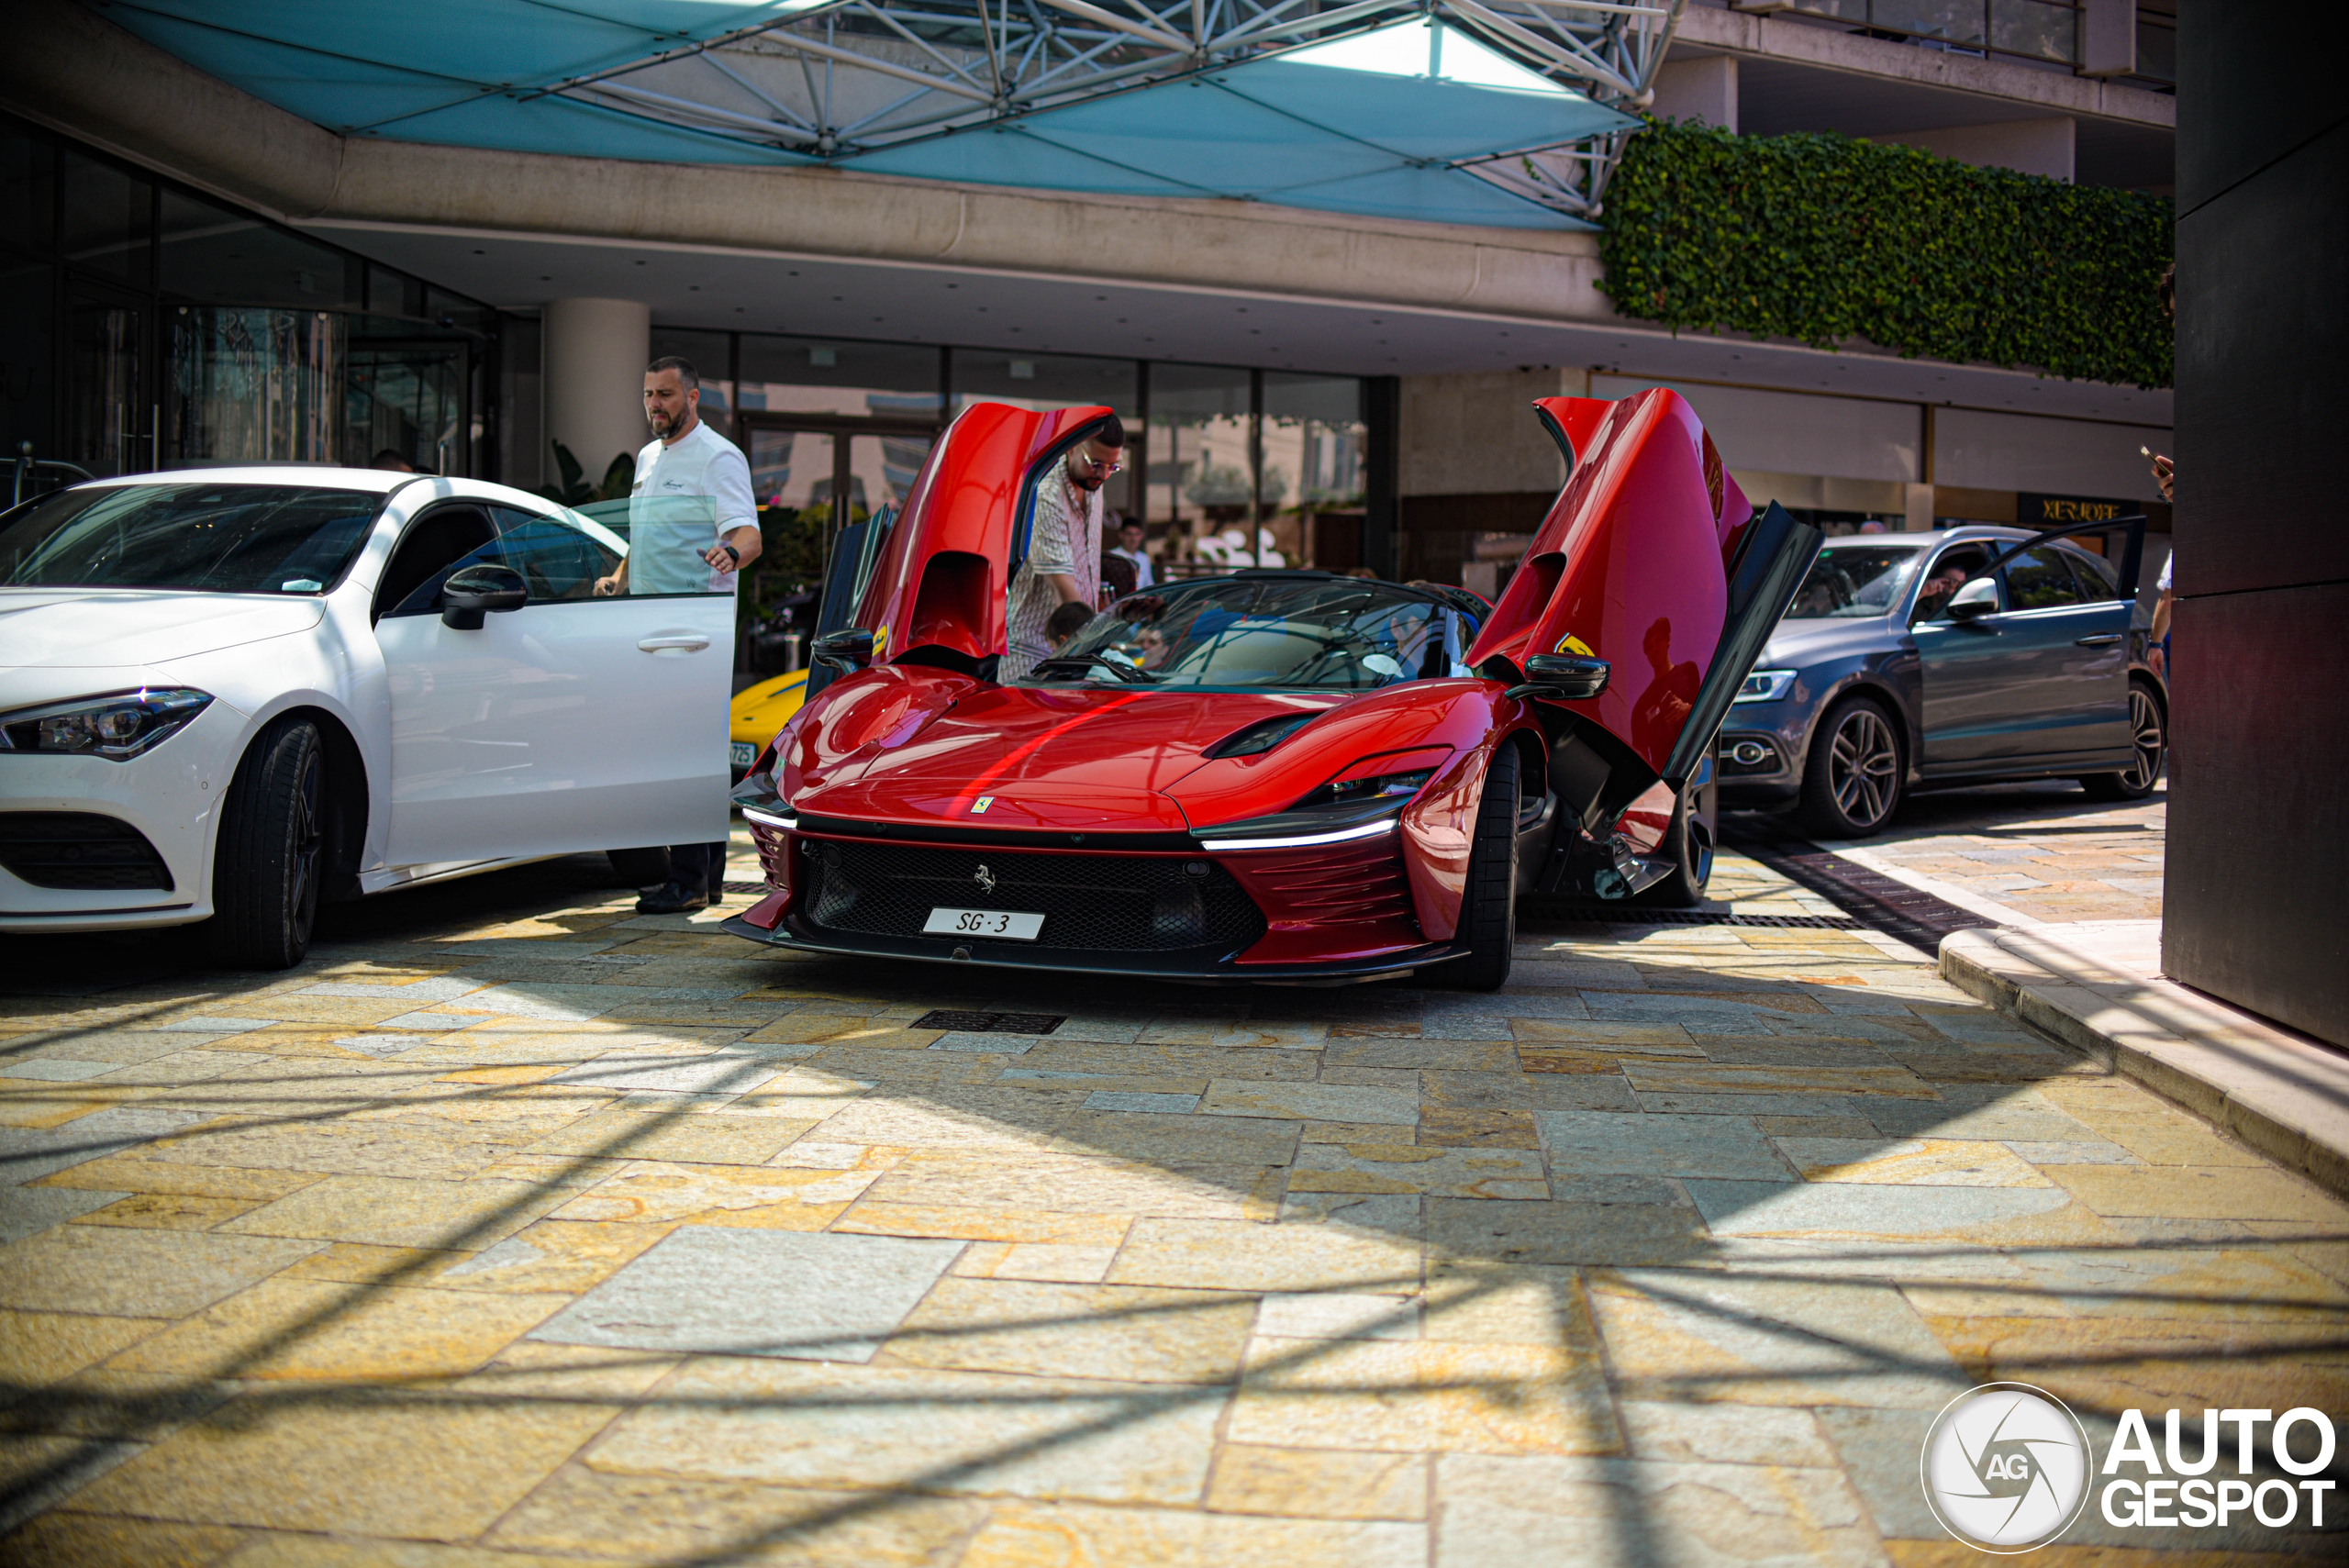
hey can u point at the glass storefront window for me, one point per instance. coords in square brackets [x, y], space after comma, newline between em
[1314, 442]
[710, 354]
[404, 394]
[838, 376]
[1045, 380]
[1202, 467]
[255, 385]
[27, 191]
[109, 220]
[218, 257]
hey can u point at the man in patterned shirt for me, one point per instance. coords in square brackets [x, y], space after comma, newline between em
[1064, 564]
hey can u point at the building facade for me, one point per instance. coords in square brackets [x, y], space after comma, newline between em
[213, 265]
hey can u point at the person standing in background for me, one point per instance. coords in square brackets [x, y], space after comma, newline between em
[686, 458]
[1064, 564]
[1131, 545]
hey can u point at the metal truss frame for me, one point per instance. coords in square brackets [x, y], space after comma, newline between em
[832, 79]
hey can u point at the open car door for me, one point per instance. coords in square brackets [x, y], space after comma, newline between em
[1642, 602]
[937, 591]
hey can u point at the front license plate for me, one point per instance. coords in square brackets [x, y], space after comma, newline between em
[744, 752]
[1004, 925]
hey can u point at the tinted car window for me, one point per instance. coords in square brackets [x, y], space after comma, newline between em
[1854, 582]
[2038, 580]
[1948, 572]
[212, 538]
[558, 559]
[2094, 575]
[434, 545]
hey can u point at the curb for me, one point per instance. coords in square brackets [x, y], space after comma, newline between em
[2285, 1096]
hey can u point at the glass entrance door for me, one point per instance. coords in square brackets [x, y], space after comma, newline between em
[110, 413]
[832, 474]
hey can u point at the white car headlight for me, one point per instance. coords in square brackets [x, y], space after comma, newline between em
[118, 728]
[1766, 685]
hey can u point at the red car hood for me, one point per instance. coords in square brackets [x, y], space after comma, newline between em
[1065, 761]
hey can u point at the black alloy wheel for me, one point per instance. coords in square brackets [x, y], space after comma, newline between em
[2149, 735]
[1852, 781]
[266, 864]
[1488, 905]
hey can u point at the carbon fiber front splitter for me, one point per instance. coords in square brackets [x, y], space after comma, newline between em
[1190, 967]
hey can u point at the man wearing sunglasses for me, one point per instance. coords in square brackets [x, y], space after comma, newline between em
[1064, 564]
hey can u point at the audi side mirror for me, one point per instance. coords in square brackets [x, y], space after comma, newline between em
[1561, 677]
[846, 651]
[469, 595]
[1976, 599]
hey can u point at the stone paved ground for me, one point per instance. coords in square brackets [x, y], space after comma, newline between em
[556, 1234]
[2044, 851]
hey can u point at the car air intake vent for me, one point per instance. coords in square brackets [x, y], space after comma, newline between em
[1101, 903]
[79, 849]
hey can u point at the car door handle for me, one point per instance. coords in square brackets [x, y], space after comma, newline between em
[683, 641]
[2101, 639]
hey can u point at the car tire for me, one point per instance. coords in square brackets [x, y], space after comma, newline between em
[1489, 905]
[1852, 779]
[267, 863]
[2149, 732]
[1692, 861]
[640, 868]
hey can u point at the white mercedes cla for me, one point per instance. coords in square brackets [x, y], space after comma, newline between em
[227, 694]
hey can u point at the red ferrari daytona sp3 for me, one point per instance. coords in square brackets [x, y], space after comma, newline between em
[1273, 775]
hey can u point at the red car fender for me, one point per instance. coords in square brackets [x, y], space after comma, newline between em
[860, 714]
[1440, 827]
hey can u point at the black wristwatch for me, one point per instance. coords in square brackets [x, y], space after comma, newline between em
[733, 552]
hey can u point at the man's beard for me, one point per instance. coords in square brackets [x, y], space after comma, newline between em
[663, 422]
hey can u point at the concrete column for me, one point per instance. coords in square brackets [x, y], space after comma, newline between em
[2029, 147]
[594, 352]
[1917, 508]
[1698, 90]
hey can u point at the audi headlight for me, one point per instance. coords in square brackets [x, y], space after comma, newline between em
[1766, 685]
[116, 727]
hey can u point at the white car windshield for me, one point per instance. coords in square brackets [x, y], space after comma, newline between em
[205, 539]
[1855, 581]
[1291, 633]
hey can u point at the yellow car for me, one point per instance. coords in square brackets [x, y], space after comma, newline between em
[759, 711]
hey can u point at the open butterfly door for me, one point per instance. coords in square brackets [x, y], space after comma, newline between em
[1643, 600]
[937, 591]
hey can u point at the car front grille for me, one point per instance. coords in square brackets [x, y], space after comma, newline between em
[1100, 902]
[79, 851]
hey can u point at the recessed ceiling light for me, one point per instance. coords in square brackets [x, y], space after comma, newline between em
[480, 252]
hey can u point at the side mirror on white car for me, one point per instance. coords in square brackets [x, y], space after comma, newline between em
[469, 595]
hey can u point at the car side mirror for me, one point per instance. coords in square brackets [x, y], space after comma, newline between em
[471, 593]
[1561, 677]
[846, 651]
[1972, 602]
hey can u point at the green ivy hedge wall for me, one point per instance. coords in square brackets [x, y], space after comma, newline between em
[1823, 239]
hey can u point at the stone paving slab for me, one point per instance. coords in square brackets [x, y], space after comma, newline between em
[2100, 990]
[548, 1234]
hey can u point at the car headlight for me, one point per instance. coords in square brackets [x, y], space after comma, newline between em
[1381, 787]
[1766, 685]
[116, 727]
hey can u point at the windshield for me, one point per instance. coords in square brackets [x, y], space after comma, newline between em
[1289, 633]
[1855, 581]
[206, 539]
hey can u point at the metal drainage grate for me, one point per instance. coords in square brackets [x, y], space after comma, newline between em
[1621, 915]
[990, 1023]
[748, 889]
